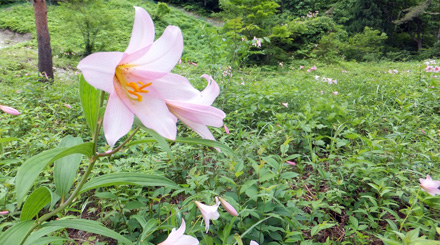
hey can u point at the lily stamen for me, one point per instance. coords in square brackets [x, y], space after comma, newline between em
[136, 89]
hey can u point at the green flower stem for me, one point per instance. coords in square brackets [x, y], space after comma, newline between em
[410, 210]
[120, 146]
[68, 201]
[98, 128]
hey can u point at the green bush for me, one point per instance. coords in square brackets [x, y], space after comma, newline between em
[366, 46]
[162, 9]
[89, 19]
[330, 46]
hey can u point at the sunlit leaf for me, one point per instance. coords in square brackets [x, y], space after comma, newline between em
[90, 101]
[35, 202]
[66, 168]
[90, 226]
[128, 179]
[30, 169]
[16, 233]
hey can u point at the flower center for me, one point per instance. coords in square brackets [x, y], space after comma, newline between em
[133, 88]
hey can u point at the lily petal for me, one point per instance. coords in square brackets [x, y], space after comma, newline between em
[208, 212]
[170, 86]
[117, 120]
[202, 114]
[99, 69]
[430, 186]
[164, 53]
[154, 114]
[143, 31]
[210, 93]
[200, 129]
[176, 237]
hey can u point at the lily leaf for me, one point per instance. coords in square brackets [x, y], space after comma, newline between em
[90, 100]
[16, 233]
[128, 179]
[88, 226]
[35, 202]
[66, 168]
[30, 169]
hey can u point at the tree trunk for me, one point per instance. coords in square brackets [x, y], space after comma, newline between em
[419, 38]
[43, 38]
[438, 34]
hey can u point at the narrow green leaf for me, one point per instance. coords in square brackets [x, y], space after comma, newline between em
[3, 140]
[320, 227]
[66, 168]
[37, 235]
[149, 228]
[48, 240]
[205, 142]
[157, 137]
[88, 226]
[90, 99]
[16, 233]
[128, 179]
[30, 169]
[35, 202]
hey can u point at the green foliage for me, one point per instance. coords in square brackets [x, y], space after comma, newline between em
[89, 19]
[367, 45]
[300, 8]
[331, 47]
[358, 153]
[162, 9]
[255, 17]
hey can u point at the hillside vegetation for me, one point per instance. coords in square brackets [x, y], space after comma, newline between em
[313, 150]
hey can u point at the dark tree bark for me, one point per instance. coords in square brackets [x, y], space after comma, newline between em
[43, 38]
[417, 37]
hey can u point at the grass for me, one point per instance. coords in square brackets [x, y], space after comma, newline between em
[358, 154]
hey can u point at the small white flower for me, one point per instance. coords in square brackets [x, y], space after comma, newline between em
[176, 237]
[208, 212]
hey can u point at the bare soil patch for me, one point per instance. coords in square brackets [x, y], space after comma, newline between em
[9, 38]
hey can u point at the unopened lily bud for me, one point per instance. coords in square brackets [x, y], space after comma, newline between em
[231, 210]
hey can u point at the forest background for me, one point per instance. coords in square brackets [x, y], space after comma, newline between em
[332, 119]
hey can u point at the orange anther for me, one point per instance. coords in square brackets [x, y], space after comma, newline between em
[136, 89]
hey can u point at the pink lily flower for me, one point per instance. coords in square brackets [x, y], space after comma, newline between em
[430, 186]
[176, 237]
[313, 68]
[335, 93]
[231, 210]
[68, 106]
[301, 67]
[9, 110]
[4, 212]
[208, 212]
[140, 83]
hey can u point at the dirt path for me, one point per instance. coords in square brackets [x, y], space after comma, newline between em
[9, 38]
[214, 22]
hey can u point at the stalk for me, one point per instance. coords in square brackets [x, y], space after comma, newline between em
[68, 201]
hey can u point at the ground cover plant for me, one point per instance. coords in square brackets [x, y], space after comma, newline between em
[311, 152]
